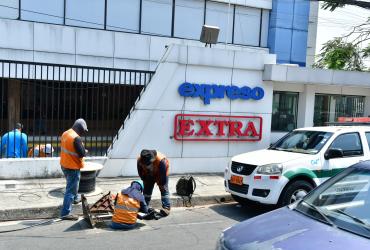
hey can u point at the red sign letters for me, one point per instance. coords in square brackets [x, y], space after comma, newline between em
[194, 127]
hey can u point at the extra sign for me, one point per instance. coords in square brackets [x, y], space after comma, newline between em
[194, 127]
[211, 91]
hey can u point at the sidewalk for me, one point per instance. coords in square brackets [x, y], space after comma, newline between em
[42, 198]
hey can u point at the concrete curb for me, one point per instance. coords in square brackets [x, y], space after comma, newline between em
[53, 211]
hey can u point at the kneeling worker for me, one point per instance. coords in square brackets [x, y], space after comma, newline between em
[127, 205]
[153, 167]
[41, 151]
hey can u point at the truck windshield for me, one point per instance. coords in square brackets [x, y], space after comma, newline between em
[307, 142]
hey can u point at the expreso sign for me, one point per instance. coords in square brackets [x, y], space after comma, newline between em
[211, 91]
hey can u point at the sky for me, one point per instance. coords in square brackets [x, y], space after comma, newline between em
[338, 23]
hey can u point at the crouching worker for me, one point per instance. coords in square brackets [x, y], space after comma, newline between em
[128, 203]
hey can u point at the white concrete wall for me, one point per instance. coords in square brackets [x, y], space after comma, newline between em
[35, 167]
[38, 42]
[151, 124]
[312, 33]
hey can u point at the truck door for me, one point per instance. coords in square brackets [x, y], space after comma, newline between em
[353, 152]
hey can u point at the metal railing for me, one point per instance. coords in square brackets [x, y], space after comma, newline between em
[48, 98]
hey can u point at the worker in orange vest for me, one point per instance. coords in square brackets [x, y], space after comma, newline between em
[71, 161]
[41, 151]
[153, 167]
[127, 205]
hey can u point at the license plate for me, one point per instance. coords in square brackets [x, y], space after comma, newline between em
[238, 180]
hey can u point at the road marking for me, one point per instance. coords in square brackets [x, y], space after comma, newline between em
[198, 223]
[156, 227]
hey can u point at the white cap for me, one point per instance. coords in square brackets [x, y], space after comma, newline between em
[48, 149]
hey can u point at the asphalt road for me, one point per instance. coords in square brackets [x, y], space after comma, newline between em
[185, 228]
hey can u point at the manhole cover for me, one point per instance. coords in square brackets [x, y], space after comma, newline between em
[29, 197]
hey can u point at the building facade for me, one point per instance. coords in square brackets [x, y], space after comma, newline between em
[136, 71]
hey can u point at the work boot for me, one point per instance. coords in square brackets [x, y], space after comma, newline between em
[77, 201]
[164, 211]
[70, 217]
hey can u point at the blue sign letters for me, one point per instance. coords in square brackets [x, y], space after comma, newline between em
[210, 91]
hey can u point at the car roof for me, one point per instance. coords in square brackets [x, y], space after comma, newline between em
[334, 129]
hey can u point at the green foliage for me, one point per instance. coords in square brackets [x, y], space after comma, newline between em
[332, 4]
[341, 55]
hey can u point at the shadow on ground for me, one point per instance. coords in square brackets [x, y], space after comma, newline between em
[103, 224]
[238, 212]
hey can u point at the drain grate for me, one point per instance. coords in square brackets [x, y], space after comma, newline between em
[9, 186]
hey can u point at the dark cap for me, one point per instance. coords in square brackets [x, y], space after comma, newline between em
[148, 156]
[18, 125]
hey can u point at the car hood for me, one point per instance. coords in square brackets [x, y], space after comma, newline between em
[285, 229]
[267, 156]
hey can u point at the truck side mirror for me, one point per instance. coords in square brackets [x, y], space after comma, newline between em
[333, 153]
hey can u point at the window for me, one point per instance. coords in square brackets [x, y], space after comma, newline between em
[284, 111]
[48, 11]
[247, 26]
[220, 15]
[123, 15]
[156, 17]
[349, 143]
[189, 17]
[85, 13]
[329, 107]
[368, 138]
[9, 9]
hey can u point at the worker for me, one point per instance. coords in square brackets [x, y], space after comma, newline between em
[153, 167]
[14, 143]
[40, 151]
[127, 205]
[71, 160]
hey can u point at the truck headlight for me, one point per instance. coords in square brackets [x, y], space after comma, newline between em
[270, 169]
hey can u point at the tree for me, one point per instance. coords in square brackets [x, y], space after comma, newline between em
[333, 4]
[347, 52]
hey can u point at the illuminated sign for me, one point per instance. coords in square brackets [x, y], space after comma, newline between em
[195, 127]
[211, 91]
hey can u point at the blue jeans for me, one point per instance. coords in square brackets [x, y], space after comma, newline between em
[73, 180]
[165, 194]
[115, 225]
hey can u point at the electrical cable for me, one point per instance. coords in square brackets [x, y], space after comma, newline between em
[31, 226]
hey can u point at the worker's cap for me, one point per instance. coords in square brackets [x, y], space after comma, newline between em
[138, 184]
[18, 125]
[148, 156]
[81, 123]
[48, 149]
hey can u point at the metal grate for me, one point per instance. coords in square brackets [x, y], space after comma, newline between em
[241, 168]
[48, 98]
[239, 188]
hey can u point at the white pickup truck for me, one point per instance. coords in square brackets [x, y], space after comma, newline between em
[297, 163]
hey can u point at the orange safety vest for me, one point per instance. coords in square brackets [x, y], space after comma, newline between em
[41, 150]
[68, 155]
[126, 209]
[156, 163]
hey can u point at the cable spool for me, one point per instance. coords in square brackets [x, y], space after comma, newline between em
[88, 177]
[87, 182]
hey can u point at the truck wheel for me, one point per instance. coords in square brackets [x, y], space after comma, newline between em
[293, 192]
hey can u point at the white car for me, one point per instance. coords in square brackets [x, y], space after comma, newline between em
[298, 162]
